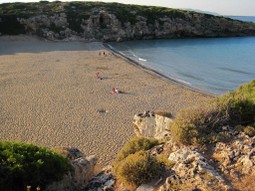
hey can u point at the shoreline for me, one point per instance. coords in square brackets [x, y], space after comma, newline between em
[50, 95]
[155, 72]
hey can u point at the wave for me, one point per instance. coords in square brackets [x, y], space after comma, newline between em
[142, 59]
[182, 81]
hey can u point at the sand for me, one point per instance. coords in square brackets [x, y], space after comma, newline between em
[50, 96]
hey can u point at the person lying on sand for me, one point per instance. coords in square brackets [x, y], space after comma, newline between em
[115, 91]
[98, 76]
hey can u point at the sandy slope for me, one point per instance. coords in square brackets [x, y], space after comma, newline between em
[49, 95]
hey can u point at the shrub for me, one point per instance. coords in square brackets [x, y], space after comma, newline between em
[241, 104]
[26, 164]
[163, 161]
[198, 125]
[137, 169]
[136, 144]
[249, 130]
[202, 124]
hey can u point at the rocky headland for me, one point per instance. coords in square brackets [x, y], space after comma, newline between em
[113, 22]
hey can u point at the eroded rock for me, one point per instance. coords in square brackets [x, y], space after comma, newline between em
[149, 124]
[192, 169]
[82, 170]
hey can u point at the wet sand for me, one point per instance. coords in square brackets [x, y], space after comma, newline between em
[50, 96]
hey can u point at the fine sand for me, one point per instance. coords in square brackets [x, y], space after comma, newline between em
[50, 96]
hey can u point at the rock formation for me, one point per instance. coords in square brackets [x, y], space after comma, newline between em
[224, 165]
[114, 22]
[150, 124]
[82, 170]
[236, 158]
[191, 168]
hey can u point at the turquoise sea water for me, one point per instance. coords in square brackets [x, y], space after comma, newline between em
[212, 65]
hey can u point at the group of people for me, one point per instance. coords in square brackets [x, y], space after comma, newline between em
[104, 53]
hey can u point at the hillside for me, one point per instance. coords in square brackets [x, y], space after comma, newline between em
[113, 21]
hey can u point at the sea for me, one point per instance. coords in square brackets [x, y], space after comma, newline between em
[211, 65]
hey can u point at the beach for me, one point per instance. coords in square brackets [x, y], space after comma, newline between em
[50, 95]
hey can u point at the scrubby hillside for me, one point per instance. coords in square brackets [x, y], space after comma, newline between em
[210, 147]
[113, 21]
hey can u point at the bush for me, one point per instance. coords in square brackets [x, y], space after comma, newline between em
[136, 144]
[25, 164]
[241, 104]
[250, 131]
[164, 162]
[202, 124]
[137, 169]
[198, 125]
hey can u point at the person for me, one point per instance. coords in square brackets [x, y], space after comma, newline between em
[115, 91]
[97, 75]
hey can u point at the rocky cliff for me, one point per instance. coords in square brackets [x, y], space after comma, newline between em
[113, 22]
[222, 166]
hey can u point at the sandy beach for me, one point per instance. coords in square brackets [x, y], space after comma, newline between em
[50, 96]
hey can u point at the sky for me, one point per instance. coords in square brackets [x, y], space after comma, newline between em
[222, 7]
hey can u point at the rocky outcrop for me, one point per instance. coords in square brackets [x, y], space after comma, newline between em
[82, 170]
[104, 181]
[115, 22]
[150, 124]
[237, 158]
[191, 168]
[221, 166]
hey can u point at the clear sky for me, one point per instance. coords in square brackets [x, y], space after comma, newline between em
[222, 7]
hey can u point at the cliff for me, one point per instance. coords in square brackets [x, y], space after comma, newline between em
[113, 22]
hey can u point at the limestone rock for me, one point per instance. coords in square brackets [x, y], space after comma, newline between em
[150, 124]
[103, 181]
[191, 168]
[237, 155]
[97, 23]
[145, 187]
[82, 170]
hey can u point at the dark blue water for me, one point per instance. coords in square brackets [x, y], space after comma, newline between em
[213, 65]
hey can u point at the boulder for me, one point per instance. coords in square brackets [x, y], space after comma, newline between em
[82, 170]
[150, 124]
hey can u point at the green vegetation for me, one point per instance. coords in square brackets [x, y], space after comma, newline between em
[250, 131]
[137, 168]
[240, 104]
[24, 164]
[77, 12]
[201, 125]
[136, 144]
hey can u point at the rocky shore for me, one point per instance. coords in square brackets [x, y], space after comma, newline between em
[113, 22]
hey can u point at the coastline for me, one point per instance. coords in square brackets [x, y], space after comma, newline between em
[51, 97]
[155, 72]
